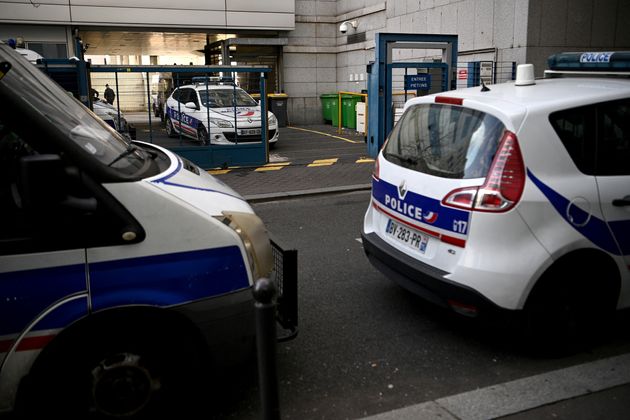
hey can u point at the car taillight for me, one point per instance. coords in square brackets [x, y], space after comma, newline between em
[504, 183]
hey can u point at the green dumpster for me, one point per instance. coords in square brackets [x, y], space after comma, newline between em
[348, 110]
[329, 107]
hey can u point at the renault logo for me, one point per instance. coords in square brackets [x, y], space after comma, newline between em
[402, 190]
[249, 120]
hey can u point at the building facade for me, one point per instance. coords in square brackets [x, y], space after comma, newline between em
[312, 56]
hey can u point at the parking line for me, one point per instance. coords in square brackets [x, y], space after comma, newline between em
[326, 134]
[218, 171]
[365, 160]
[272, 166]
[323, 162]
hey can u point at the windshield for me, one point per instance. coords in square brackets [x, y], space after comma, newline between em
[224, 98]
[57, 112]
[445, 141]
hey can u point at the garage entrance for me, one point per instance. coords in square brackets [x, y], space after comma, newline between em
[247, 146]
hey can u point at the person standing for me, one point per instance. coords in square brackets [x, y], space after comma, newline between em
[109, 95]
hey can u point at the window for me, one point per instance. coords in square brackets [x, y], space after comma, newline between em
[613, 138]
[56, 211]
[49, 49]
[576, 129]
[597, 137]
[445, 141]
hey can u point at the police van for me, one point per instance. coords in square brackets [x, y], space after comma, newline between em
[513, 198]
[126, 271]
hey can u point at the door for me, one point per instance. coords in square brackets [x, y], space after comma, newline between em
[613, 170]
[42, 269]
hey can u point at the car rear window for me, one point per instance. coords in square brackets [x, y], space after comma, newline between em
[445, 141]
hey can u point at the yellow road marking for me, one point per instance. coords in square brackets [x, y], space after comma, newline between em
[218, 171]
[365, 160]
[323, 162]
[272, 166]
[326, 134]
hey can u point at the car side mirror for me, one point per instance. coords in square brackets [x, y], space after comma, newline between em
[44, 185]
[192, 105]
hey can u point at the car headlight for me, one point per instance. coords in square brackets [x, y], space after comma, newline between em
[272, 120]
[254, 235]
[221, 123]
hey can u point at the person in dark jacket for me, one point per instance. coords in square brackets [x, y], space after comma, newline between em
[109, 95]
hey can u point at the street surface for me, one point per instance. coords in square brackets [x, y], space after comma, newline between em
[367, 346]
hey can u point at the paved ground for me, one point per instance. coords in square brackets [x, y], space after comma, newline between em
[319, 159]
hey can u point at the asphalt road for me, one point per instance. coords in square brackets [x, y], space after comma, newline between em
[365, 345]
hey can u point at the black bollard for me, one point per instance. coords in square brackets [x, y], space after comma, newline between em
[265, 294]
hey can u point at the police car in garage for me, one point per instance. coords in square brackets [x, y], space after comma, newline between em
[513, 199]
[214, 110]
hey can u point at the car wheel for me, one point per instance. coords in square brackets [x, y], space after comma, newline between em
[170, 130]
[202, 135]
[129, 374]
[566, 311]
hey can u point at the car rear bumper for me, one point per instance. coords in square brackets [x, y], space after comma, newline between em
[424, 280]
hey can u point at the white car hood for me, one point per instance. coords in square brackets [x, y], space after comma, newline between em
[201, 190]
[244, 112]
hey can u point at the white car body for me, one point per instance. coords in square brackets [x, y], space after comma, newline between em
[467, 246]
[205, 112]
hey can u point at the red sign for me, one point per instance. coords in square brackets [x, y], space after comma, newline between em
[462, 74]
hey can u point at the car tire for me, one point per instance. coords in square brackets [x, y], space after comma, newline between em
[202, 135]
[131, 373]
[566, 312]
[170, 130]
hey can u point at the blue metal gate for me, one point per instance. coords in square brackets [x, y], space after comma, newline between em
[205, 154]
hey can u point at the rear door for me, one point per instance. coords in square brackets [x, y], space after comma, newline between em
[613, 170]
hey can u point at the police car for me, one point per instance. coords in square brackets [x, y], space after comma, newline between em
[126, 271]
[113, 117]
[513, 198]
[214, 110]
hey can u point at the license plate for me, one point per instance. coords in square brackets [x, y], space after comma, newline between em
[405, 235]
[249, 132]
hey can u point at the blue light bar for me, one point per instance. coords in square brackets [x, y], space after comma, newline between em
[590, 61]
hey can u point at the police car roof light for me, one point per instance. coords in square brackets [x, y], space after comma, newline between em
[618, 61]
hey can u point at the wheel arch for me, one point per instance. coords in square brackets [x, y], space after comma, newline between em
[589, 268]
[116, 321]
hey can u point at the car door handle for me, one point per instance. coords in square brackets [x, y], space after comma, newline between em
[621, 202]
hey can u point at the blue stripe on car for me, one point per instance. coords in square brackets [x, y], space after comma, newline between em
[170, 279]
[423, 209]
[595, 230]
[161, 280]
[24, 295]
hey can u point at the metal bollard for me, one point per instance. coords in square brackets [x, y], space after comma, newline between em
[265, 294]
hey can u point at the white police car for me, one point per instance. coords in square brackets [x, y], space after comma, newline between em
[514, 199]
[216, 111]
[113, 117]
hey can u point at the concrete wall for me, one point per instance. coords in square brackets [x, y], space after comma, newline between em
[219, 14]
[576, 25]
[309, 60]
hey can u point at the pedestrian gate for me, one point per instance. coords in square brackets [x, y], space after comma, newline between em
[381, 113]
